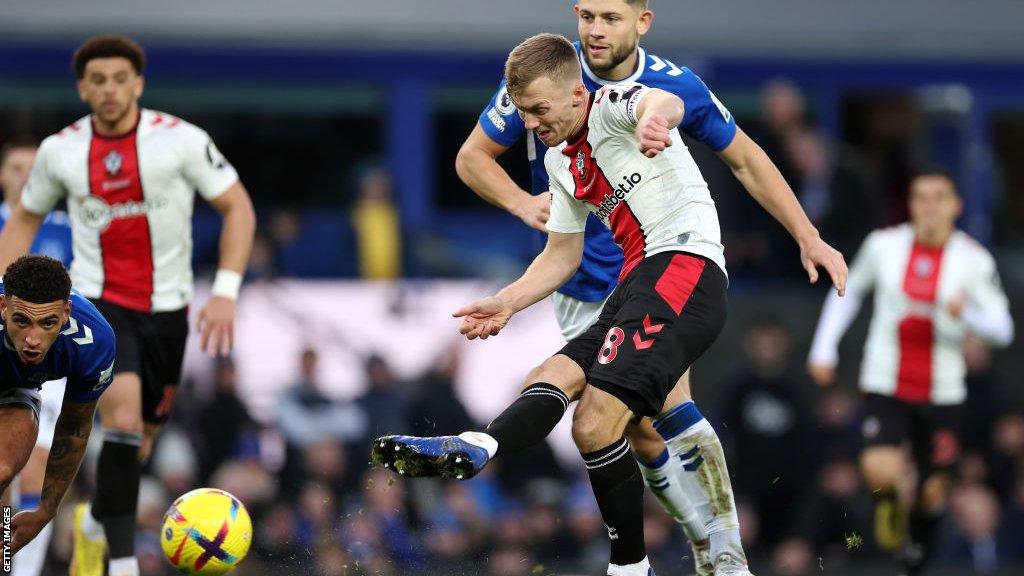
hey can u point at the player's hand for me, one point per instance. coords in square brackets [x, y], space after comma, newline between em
[955, 307]
[824, 375]
[483, 318]
[535, 210]
[25, 526]
[217, 326]
[653, 135]
[816, 252]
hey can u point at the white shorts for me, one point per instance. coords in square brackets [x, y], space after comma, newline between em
[52, 394]
[575, 316]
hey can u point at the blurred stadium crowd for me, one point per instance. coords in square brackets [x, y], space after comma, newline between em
[318, 509]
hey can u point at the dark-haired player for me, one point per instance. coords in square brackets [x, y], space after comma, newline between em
[49, 333]
[933, 284]
[17, 155]
[129, 176]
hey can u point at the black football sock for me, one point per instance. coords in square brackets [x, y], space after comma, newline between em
[529, 419]
[923, 528]
[117, 491]
[619, 490]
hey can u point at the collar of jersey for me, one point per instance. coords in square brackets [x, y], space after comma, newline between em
[641, 65]
[5, 211]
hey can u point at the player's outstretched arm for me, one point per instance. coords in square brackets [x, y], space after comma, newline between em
[217, 318]
[17, 235]
[70, 436]
[658, 113]
[550, 269]
[477, 167]
[765, 183]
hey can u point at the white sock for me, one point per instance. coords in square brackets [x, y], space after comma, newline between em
[29, 561]
[663, 477]
[483, 440]
[123, 567]
[706, 483]
[91, 527]
[641, 568]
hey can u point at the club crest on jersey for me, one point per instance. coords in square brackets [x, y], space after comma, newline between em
[113, 162]
[924, 267]
[581, 164]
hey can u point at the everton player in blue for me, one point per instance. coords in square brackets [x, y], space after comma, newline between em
[53, 239]
[609, 53]
[49, 332]
[54, 236]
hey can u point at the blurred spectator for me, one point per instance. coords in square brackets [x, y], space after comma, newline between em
[376, 220]
[976, 515]
[833, 188]
[435, 408]
[382, 402]
[981, 408]
[222, 422]
[306, 415]
[767, 426]
[1006, 459]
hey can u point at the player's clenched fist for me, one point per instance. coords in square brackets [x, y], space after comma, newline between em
[652, 132]
[483, 318]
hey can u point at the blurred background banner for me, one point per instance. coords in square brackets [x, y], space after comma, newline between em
[344, 118]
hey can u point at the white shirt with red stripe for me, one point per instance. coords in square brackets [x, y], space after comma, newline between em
[914, 350]
[651, 205]
[130, 200]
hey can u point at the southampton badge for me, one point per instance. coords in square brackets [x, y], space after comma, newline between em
[581, 165]
[113, 162]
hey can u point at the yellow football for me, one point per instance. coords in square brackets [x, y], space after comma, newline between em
[206, 532]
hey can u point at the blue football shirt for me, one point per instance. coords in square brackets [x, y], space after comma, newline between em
[83, 353]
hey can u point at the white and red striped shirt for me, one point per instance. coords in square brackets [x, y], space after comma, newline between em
[651, 205]
[914, 350]
[130, 200]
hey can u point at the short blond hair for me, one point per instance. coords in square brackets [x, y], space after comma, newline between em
[549, 55]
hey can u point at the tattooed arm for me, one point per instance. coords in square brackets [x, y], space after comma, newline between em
[70, 436]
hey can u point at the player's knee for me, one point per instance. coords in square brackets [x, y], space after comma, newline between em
[590, 432]
[123, 420]
[882, 468]
[560, 372]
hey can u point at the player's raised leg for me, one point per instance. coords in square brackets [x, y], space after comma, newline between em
[598, 425]
[550, 388]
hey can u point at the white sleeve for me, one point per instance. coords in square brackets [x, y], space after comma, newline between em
[568, 215]
[617, 105]
[43, 190]
[839, 312]
[987, 314]
[205, 167]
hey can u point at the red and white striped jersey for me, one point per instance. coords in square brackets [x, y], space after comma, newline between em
[651, 205]
[914, 349]
[130, 201]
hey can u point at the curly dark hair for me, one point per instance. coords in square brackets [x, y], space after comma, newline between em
[37, 279]
[109, 46]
